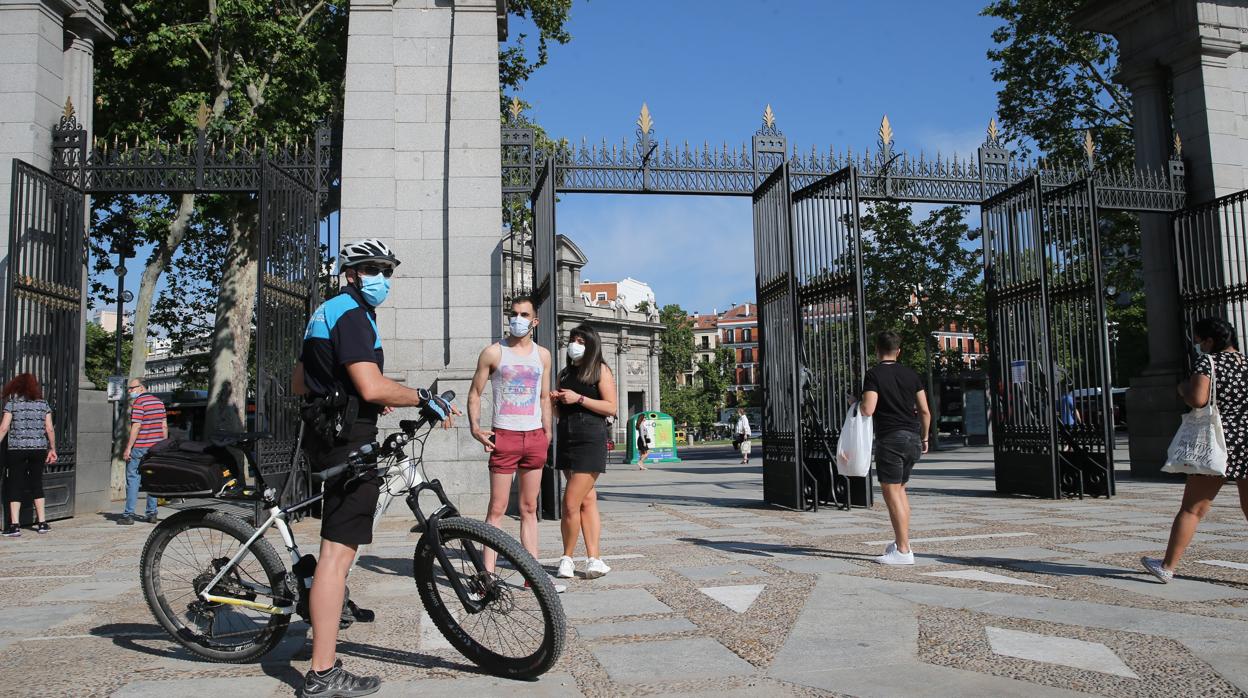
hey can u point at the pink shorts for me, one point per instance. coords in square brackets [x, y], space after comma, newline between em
[518, 449]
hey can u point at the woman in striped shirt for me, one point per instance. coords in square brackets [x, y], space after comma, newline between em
[27, 422]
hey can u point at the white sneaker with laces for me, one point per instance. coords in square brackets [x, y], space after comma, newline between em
[567, 569]
[1154, 567]
[595, 568]
[896, 557]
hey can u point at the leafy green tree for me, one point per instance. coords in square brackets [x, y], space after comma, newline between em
[101, 354]
[1055, 82]
[269, 71]
[918, 276]
[676, 342]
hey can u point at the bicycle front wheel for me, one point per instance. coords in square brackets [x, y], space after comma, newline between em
[183, 554]
[512, 624]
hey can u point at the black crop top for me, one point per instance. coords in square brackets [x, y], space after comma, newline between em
[569, 380]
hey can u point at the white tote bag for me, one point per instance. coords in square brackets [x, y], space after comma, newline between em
[1199, 447]
[853, 448]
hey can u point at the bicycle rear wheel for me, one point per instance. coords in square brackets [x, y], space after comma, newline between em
[183, 553]
[515, 626]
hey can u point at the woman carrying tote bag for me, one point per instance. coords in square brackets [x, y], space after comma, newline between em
[1223, 367]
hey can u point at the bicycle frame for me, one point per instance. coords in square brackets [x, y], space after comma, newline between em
[405, 475]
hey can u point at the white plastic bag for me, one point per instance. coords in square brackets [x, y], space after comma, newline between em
[853, 448]
[1199, 446]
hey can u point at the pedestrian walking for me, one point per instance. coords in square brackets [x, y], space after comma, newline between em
[741, 434]
[149, 426]
[645, 438]
[518, 441]
[893, 394]
[586, 397]
[27, 423]
[1220, 358]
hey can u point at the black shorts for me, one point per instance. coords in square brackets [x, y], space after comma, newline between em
[582, 443]
[895, 455]
[347, 509]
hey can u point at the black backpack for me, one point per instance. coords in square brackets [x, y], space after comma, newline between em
[187, 469]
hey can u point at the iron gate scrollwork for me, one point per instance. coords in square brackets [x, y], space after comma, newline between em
[827, 243]
[288, 274]
[784, 478]
[1207, 237]
[1049, 359]
[43, 310]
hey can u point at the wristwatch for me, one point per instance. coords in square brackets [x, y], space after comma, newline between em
[580, 400]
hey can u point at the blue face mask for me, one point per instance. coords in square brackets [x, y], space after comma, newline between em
[374, 289]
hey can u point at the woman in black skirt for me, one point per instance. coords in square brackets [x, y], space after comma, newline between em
[586, 395]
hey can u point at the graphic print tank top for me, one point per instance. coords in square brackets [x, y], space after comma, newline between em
[517, 390]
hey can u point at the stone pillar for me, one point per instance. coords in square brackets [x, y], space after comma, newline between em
[421, 170]
[1152, 403]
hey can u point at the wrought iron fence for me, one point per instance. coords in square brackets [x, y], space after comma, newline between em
[1211, 245]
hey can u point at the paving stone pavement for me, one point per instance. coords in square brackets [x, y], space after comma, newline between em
[713, 593]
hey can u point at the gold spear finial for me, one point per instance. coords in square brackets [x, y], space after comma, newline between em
[886, 131]
[69, 108]
[1178, 145]
[1089, 148]
[201, 117]
[644, 122]
[992, 130]
[769, 117]
[516, 108]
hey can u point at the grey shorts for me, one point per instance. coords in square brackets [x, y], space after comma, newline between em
[895, 455]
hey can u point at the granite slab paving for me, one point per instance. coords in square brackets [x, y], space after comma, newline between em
[552, 685]
[237, 686]
[1112, 546]
[579, 605]
[1066, 651]
[661, 626]
[735, 571]
[667, 660]
[737, 597]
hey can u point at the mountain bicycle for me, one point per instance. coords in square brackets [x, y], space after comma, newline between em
[218, 587]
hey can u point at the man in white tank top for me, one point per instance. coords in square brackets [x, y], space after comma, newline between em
[519, 373]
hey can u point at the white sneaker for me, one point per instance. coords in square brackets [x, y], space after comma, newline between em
[1154, 567]
[595, 568]
[890, 547]
[567, 569]
[896, 557]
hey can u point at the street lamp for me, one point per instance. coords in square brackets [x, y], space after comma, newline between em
[1111, 294]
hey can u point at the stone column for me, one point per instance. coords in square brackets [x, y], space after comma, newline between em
[1152, 403]
[421, 170]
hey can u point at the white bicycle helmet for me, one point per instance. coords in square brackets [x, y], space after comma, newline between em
[368, 250]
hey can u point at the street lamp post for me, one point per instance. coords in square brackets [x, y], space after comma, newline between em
[123, 250]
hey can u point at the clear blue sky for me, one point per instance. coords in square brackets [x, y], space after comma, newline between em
[706, 68]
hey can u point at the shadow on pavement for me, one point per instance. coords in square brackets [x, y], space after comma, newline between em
[403, 658]
[393, 566]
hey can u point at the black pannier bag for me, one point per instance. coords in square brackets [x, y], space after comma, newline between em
[187, 469]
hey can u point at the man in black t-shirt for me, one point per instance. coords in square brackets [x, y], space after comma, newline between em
[894, 396]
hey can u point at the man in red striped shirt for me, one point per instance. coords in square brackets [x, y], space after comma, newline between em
[148, 426]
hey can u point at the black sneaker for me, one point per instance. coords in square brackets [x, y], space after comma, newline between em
[43, 527]
[150, 518]
[338, 683]
[125, 520]
[13, 531]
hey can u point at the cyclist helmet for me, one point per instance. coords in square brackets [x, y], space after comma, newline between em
[368, 250]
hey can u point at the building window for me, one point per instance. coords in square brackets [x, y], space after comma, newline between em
[601, 295]
[706, 342]
[960, 347]
[747, 356]
[728, 336]
[745, 335]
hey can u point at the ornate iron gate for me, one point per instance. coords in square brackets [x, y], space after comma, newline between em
[1207, 237]
[43, 310]
[784, 477]
[827, 254]
[1049, 360]
[287, 268]
[546, 294]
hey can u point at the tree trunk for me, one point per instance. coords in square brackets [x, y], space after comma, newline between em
[156, 266]
[229, 360]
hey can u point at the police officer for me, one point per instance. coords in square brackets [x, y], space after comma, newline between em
[342, 357]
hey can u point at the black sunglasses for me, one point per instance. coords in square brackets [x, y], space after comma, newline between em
[374, 270]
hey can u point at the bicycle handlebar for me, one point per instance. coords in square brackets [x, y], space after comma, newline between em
[357, 458]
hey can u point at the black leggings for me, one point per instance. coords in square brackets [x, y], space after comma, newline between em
[24, 475]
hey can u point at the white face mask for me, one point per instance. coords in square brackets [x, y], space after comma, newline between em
[576, 351]
[519, 326]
